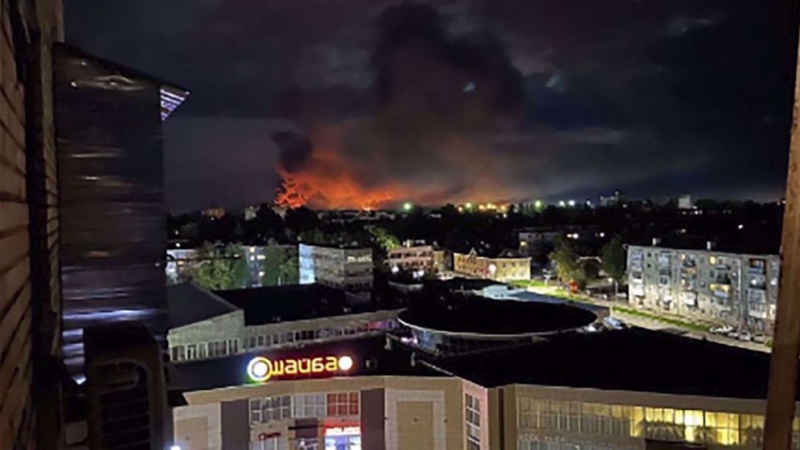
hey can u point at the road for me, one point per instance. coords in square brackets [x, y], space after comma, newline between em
[669, 328]
[653, 324]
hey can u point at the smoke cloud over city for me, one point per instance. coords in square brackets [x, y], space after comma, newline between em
[437, 102]
[366, 103]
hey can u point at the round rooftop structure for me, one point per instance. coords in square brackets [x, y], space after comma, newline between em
[474, 323]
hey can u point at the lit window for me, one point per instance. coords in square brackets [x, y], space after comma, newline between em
[343, 404]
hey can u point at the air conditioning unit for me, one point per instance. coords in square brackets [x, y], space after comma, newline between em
[126, 391]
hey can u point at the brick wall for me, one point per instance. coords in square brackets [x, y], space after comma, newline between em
[27, 155]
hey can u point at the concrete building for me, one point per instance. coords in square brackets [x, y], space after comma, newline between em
[338, 267]
[740, 290]
[507, 266]
[30, 291]
[212, 325]
[380, 394]
[412, 257]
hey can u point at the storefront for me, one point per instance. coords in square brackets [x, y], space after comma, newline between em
[343, 438]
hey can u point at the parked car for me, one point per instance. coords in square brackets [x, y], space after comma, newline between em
[722, 330]
[761, 338]
[733, 334]
[745, 336]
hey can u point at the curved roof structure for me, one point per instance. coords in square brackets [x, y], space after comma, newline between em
[476, 317]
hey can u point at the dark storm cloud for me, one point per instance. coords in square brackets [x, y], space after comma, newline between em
[653, 96]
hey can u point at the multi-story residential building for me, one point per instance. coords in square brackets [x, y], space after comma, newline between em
[737, 289]
[412, 257]
[507, 266]
[339, 267]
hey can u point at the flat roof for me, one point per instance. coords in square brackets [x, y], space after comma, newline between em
[188, 303]
[479, 315]
[277, 304]
[370, 357]
[633, 359]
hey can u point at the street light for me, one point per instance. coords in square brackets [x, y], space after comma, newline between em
[407, 206]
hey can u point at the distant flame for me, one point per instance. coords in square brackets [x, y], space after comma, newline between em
[327, 182]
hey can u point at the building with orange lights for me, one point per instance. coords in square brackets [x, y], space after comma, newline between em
[412, 257]
[507, 266]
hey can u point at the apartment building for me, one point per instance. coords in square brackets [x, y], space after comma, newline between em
[737, 289]
[412, 257]
[339, 267]
[507, 266]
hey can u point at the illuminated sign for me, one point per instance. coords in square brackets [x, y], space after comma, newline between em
[261, 369]
[343, 431]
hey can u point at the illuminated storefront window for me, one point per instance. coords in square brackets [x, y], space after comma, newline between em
[667, 424]
[343, 438]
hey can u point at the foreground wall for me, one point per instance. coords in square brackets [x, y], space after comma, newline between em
[29, 284]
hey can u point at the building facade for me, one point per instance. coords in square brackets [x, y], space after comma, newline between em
[740, 290]
[342, 268]
[343, 413]
[228, 334]
[30, 294]
[505, 267]
[410, 412]
[562, 418]
[412, 258]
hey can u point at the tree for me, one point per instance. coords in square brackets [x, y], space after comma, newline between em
[221, 269]
[301, 219]
[266, 225]
[566, 261]
[614, 259]
[280, 266]
[384, 239]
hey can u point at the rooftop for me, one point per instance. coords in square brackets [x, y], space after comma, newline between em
[477, 315]
[489, 252]
[633, 359]
[188, 303]
[295, 302]
[627, 360]
[747, 244]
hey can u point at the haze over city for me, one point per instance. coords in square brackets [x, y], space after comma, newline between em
[358, 103]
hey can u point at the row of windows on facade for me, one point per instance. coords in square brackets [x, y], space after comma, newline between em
[304, 406]
[278, 443]
[655, 423]
[231, 346]
[540, 443]
[472, 415]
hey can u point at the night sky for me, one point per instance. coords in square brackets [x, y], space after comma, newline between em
[370, 102]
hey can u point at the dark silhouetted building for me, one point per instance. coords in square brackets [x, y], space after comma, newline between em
[111, 166]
